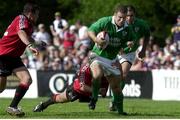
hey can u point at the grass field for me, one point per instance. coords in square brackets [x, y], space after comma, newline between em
[137, 108]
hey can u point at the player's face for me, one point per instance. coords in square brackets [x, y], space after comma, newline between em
[34, 16]
[130, 17]
[120, 18]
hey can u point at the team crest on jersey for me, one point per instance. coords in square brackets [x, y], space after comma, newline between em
[124, 33]
[136, 29]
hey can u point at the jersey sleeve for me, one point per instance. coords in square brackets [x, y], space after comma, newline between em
[98, 26]
[22, 23]
[131, 37]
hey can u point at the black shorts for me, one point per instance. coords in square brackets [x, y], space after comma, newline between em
[8, 64]
[74, 95]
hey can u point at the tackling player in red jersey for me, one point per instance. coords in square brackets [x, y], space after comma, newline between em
[79, 89]
[12, 45]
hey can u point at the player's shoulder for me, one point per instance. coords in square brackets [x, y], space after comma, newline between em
[21, 19]
[106, 19]
[21, 16]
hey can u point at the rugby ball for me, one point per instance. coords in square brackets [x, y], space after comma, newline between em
[103, 35]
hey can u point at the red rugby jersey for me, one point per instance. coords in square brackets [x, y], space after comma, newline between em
[84, 75]
[10, 44]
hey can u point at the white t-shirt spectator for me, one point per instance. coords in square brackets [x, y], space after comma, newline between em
[43, 36]
[59, 25]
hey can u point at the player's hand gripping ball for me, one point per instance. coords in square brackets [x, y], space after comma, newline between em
[103, 35]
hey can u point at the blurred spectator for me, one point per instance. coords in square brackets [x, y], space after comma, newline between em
[58, 28]
[35, 30]
[82, 34]
[150, 44]
[42, 35]
[68, 63]
[56, 64]
[70, 37]
[46, 64]
[177, 62]
[175, 30]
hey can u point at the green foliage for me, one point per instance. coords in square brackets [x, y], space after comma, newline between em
[160, 14]
[9, 9]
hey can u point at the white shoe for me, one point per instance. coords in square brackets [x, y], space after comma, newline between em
[15, 111]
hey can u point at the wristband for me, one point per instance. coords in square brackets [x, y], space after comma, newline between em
[29, 45]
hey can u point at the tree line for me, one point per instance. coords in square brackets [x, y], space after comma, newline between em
[160, 14]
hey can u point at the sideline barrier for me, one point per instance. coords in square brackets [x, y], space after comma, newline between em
[166, 84]
[155, 84]
[138, 84]
[12, 82]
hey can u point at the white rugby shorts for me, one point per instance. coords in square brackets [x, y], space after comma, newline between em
[130, 57]
[106, 64]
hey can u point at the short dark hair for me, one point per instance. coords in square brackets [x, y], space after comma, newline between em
[131, 8]
[30, 7]
[120, 8]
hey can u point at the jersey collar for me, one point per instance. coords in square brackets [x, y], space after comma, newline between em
[121, 28]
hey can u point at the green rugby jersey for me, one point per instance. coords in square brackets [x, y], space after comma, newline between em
[117, 37]
[141, 29]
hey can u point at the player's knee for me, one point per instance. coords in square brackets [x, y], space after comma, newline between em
[96, 71]
[26, 80]
[97, 75]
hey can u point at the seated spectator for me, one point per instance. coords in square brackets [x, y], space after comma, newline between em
[42, 35]
[69, 38]
[82, 34]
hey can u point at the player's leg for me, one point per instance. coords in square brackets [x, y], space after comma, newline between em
[2, 83]
[55, 98]
[104, 87]
[25, 81]
[125, 68]
[4, 72]
[117, 91]
[126, 62]
[112, 106]
[97, 73]
[68, 95]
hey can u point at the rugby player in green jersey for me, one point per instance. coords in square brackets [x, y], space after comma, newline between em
[103, 60]
[142, 31]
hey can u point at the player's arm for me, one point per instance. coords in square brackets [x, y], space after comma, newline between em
[94, 29]
[27, 41]
[24, 37]
[146, 37]
[131, 41]
[93, 37]
[141, 54]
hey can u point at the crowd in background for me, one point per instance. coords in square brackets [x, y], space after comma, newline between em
[68, 48]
